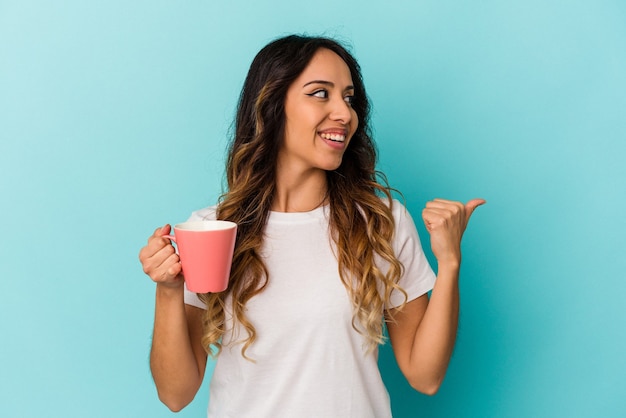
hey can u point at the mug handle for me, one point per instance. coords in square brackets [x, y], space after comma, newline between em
[170, 237]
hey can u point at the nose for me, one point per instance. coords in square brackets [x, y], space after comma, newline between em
[341, 111]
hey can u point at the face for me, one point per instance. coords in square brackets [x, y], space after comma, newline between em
[319, 118]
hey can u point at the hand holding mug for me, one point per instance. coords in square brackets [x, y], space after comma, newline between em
[206, 251]
[205, 254]
[160, 261]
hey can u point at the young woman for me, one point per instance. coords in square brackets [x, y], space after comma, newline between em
[324, 257]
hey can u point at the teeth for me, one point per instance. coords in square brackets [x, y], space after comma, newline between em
[334, 137]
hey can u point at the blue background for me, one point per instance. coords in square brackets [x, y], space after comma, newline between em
[113, 121]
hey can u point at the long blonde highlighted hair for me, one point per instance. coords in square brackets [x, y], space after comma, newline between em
[361, 222]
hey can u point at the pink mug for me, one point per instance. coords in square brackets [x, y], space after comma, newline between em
[206, 250]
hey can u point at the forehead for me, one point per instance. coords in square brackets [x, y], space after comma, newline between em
[326, 66]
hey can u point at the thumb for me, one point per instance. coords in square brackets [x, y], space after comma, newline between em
[471, 206]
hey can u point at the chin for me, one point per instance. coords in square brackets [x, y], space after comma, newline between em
[332, 167]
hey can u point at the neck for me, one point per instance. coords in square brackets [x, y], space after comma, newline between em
[300, 193]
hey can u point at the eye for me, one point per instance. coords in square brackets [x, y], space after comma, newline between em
[349, 100]
[322, 94]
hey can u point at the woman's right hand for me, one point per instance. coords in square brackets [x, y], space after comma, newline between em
[160, 261]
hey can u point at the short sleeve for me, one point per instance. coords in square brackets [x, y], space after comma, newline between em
[205, 214]
[418, 277]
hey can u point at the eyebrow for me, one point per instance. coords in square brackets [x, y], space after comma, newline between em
[326, 83]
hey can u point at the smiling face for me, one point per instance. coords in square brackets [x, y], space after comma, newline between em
[319, 118]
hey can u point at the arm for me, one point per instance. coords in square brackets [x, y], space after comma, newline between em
[177, 358]
[423, 333]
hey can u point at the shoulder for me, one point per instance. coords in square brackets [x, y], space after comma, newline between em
[404, 225]
[399, 212]
[204, 214]
[397, 207]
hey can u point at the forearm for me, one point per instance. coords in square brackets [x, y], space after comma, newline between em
[172, 361]
[436, 334]
[426, 334]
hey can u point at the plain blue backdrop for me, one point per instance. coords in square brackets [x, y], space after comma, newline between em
[114, 117]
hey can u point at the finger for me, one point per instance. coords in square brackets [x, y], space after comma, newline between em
[158, 267]
[448, 208]
[155, 244]
[153, 254]
[174, 269]
[435, 218]
[434, 212]
[159, 238]
[169, 269]
[163, 230]
[472, 205]
[160, 257]
[443, 203]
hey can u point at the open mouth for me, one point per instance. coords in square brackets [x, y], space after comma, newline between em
[333, 137]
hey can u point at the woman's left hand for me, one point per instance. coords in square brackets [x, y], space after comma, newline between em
[446, 221]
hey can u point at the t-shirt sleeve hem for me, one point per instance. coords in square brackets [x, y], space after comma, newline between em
[425, 286]
[192, 299]
[418, 277]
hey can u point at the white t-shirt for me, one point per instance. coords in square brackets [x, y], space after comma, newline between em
[309, 360]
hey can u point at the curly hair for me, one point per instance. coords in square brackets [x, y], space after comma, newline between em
[360, 200]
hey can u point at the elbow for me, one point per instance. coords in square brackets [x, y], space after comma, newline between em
[175, 404]
[175, 407]
[428, 387]
[174, 395]
[428, 390]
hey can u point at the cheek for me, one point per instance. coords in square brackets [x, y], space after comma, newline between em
[355, 122]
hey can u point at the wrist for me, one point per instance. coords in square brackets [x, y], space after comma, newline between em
[449, 266]
[168, 291]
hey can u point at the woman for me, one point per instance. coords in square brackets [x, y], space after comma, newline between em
[324, 256]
